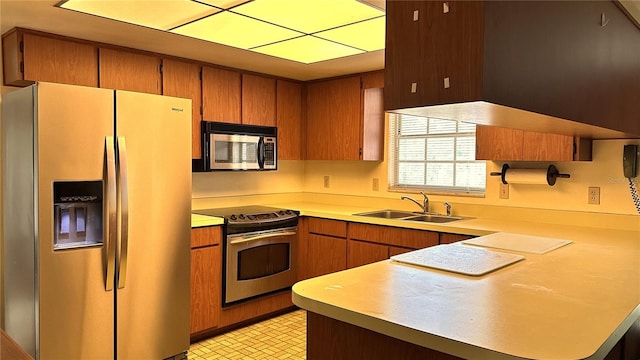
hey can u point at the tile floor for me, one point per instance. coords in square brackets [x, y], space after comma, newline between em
[282, 337]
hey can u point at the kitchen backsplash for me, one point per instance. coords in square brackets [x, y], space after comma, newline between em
[356, 178]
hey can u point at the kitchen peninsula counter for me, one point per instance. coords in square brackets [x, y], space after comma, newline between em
[574, 302]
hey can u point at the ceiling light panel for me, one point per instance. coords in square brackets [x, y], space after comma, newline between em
[161, 15]
[308, 16]
[366, 35]
[307, 49]
[224, 4]
[235, 30]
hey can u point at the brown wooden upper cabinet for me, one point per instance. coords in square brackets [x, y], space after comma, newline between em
[221, 91]
[289, 119]
[491, 58]
[497, 143]
[258, 100]
[30, 57]
[345, 120]
[182, 79]
[131, 71]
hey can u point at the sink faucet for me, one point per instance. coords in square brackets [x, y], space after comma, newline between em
[425, 202]
[447, 206]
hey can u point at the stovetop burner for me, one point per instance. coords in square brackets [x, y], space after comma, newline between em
[252, 218]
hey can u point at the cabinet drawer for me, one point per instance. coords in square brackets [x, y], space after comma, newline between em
[446, 238]
[328, 227]
[409, 238]
[206, 236]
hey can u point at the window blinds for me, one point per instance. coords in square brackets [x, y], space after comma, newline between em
[434, 154]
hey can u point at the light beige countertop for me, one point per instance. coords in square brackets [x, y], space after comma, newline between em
[574, 302]
[203, 220]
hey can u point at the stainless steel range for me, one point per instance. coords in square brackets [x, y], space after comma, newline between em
[259, 251]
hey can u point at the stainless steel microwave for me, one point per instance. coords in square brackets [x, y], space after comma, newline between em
[239, 147]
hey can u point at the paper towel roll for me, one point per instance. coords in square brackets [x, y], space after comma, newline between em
[527, 176]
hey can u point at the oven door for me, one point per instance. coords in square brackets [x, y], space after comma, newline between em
[234, 152]
[259, 262]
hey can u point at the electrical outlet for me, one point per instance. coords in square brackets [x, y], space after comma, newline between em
[594, 195]
[504, 191]
[375, 184]
[326, 181]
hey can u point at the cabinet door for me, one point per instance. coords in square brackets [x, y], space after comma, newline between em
[458, 56]
[446, 238]
[362, 253]
[289, 119]
[497, 143]
[395, 250]
[333, 119]
[546, 147]
[372, 122]
[59, 61]
[258, 100]
[326, 254]
[123, 70]
[221, 95]
[182, 79]
[403, 50]
[206, 287]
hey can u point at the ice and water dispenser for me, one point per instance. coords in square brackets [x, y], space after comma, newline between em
[77, 209]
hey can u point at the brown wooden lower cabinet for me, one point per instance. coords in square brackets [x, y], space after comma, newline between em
[362, 253]
[326, 254]
[206, 278]
[329, 338]
[447, 238]
[206, 286]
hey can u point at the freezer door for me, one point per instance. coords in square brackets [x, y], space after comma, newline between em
[75, 309]
[154, 266]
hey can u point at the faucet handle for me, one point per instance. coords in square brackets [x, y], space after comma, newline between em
[424, 195]
[448, 208]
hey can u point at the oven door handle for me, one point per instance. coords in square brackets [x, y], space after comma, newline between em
[241, 240]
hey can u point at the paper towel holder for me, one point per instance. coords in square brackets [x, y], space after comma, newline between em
[552, 174]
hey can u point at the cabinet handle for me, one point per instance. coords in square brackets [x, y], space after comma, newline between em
[445, 7]
[414, 88]
[416, 15]
[446, 83]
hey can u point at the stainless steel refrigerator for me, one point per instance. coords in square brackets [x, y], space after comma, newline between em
[97, 200]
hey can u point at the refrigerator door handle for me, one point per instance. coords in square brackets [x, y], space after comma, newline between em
[123, 195]
[111, 223]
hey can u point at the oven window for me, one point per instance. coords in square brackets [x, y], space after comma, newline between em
[263, 261]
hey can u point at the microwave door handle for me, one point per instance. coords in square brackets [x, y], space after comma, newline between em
[241, 240]
[261, 153]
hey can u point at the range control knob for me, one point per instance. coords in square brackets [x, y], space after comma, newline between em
[232, 217]
[241, 216]
[281, 212]
[251, 217]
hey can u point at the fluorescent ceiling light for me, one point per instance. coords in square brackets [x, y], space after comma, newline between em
[235, 30]
[224, 4]
[352, 35]
[162, 15]
[306, 31]
[307, 49]
[308, 16]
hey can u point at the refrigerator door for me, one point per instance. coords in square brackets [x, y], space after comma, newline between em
[153, 280]
[75, 309]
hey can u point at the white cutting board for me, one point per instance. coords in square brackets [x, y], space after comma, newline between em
[518, 242]
[468, 260]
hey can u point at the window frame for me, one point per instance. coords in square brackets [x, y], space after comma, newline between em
[394, 161]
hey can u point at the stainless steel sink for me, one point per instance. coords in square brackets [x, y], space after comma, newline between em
[433, 218]
[410, 216]
[388, 214]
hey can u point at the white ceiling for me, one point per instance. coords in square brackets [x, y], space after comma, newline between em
[42, 15]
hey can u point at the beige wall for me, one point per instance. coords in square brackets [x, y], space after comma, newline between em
[605, 171]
